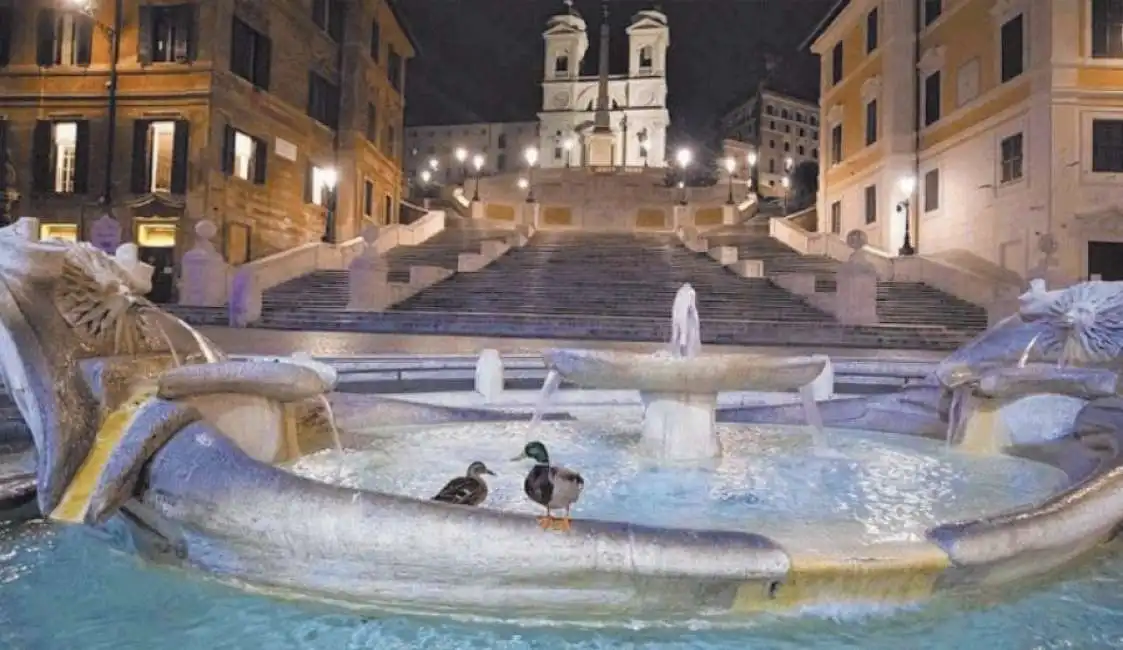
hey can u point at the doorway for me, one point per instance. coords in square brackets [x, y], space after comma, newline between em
[156, 247]
[1106, 260]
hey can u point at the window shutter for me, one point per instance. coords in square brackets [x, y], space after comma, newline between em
[181, 153]
[41, 157]
[45, 38]
[4, 155]
[142, 164]
[335, 20]
[318, 7]
[260, 160]
[228, 149]
[144, 36]
[262, 61]
[308, 183]
[83, 39]
[82, 158]
[190, 18]
[6, 17]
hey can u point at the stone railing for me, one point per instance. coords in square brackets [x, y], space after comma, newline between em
[998, 298]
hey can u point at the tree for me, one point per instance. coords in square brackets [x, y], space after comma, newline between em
[804, 185]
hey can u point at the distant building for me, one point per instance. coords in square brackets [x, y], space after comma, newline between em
[782, 130]
[1013, 156]
[636, 115]
[501, 145]
[224, 110]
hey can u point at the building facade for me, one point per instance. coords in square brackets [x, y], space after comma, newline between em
[501, 145]
[782, 130]
[1005, 117]
[242, 113]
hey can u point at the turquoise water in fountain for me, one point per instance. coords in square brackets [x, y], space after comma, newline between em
[68, 588]
[771, 479]
[64, 589]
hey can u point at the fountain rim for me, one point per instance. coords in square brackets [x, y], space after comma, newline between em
[703, 374]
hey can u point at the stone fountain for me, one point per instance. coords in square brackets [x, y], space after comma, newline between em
[141, 427]
[679, 387]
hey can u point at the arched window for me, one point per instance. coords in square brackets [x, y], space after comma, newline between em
[646, 57]
[561, 63]
[784, 113]
[502, 140]
[769, 110]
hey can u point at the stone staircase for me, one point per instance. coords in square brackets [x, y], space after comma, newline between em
[577, 285]
[898, 303]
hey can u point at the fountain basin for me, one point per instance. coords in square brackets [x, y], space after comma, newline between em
[705, 374]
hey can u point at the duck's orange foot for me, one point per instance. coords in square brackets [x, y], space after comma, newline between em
[546, 522]
[562, 525]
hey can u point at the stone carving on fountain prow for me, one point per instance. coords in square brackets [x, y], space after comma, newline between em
[89, 363]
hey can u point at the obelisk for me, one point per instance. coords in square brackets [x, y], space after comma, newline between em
[602, 140]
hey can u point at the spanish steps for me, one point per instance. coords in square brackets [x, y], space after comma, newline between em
[616, 286]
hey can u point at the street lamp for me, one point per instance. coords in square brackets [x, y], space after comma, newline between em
[113, 32]
[522, 183]
[751, 159]
[730, 166]
[434, 164]
[531, 155]
[788, 163]
[683, 157]
[329, 178]
[478, 163]
[568, 145]
[461, 155]
[907, 185]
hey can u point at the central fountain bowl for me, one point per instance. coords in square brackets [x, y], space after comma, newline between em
[663, 373]
[680, 392]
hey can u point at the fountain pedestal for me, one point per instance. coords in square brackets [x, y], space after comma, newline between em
[680, 426]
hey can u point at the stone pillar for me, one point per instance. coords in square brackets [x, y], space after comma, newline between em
[728, 214]
[680, 217]
[28, 228]
[530, 214]
[204, 272]
[367, 277]
[856, 297]
[478, 211]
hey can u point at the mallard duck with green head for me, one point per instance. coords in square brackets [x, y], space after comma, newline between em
[553, 487]
[467, 490]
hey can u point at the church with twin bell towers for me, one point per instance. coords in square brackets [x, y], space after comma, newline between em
[604, 120]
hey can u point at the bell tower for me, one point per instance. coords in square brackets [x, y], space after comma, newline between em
[566, 44]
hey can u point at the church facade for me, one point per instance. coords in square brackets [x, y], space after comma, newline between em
[635, 102]
[632, 116]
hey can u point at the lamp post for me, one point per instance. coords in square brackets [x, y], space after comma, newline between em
[113, 32]
[730, 166]
[750, 160]
[478, 164]
[906, 185]
[426, 178]
[683, 158]
[522, 183]
[568, 145]
[531, 155]
[328, 181]
[461, 155]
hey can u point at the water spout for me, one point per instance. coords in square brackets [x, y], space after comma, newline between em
[1029, 350]
[164, 335]
[549, 387]
[955, 411]
[686, 332]
[814, 416]
[334, 436]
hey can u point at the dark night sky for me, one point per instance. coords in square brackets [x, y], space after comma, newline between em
[481, 60]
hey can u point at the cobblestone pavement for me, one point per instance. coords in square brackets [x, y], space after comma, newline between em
[340, 344]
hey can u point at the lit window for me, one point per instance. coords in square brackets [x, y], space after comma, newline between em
[162, 135]
[65, 138]
[243, 155]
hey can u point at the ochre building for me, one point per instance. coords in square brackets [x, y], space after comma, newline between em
[242, 112]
